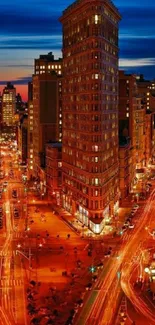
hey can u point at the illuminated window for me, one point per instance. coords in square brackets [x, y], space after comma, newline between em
[31, 156]
[127, 114]
[49, 66]
[96, 159]
[96, 76]
[96, 19]
[59, 164]
[95, 148]
[96, 181]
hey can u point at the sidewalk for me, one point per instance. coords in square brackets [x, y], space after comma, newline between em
[76, 225]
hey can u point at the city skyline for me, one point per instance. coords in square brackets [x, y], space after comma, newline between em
[28, 30]
[77, 163]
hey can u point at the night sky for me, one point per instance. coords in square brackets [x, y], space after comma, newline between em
[30, 28]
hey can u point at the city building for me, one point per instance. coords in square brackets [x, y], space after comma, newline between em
[148, 137]
[54, 170]
[45, 116]
[30, 160]
[132, 122]
[45, 110]
[8, 104]
[153, 139]
[146, 90]
[139, 134]
[19, 103]
[90, 167]
[125, 167]
[24, 132]
[46, 63]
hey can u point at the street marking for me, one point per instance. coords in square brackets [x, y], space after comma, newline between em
[11, 283]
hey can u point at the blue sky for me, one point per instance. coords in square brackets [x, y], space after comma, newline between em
[30, 28]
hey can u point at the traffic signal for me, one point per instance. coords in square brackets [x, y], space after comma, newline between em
[92, 269]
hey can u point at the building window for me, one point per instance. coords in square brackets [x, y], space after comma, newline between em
[95, 148]
[60, 164]
[96, 19]
[96, 181]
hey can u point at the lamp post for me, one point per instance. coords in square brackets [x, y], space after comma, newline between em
[27, 258]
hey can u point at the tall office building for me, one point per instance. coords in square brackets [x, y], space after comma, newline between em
[90, 111]
[46, 63]
[8, 104]
[45, 115]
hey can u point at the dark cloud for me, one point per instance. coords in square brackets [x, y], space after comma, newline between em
[147, 71]
[15, 23]
[137, 48]
[138, 21]
[20, 81]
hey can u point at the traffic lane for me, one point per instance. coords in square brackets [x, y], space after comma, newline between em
[123, 253]
[141, 287]
[135, 316]
[124, 281]
[102, 286]
[135, 298]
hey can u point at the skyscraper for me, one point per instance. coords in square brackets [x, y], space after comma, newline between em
[90, 111]
[8, 104]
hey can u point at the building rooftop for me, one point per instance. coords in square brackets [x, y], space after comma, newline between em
[77, 2]
[48, 57]
[9, 86]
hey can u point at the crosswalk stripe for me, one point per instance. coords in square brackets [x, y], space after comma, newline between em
[11, 282]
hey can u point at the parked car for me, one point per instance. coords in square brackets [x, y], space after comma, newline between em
[131, 226]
